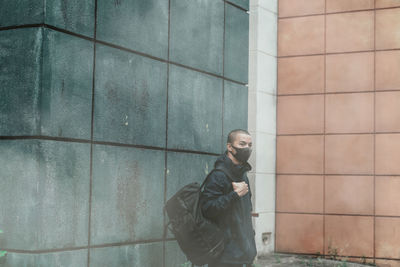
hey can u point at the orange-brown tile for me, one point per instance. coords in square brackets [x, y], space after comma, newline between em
[349, 235]
[300, 114]
[387, 154]
[301, 233]
[289, 8]
[348, 5]
[341, 70]
[387, 237]
[350, 113]
[387, 263]
[291, 193]
[349, 195]
[387, 70]
[387, 28]
[387, 111]
[349, 154]
[350, 31]
[298, 75]
[387, 201]
[301, 36]
[300, 154]
[387, 3]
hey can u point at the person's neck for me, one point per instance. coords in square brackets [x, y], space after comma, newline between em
[234, 160]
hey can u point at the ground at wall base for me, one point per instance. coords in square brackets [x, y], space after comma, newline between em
[283, 260]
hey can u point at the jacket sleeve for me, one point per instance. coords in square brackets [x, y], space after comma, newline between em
[214, 201]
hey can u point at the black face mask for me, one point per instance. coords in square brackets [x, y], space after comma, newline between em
[242, 154]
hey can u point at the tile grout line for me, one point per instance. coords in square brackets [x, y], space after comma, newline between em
[165, 231]
[338, 12]
[324, 142]
[105, 245]
[223, 81]
[276, 128]
[374, 147]
[91, 136]
[339, 53]
[74, 140]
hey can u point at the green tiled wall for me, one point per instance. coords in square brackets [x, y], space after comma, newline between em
[105, 115]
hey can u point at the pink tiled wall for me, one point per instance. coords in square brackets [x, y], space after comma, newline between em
[338, 129]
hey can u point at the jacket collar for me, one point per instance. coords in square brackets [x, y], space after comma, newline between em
[235, 171]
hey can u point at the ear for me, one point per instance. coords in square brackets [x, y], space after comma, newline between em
[229, 147]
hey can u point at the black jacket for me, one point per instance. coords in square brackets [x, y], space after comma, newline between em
[230, 212]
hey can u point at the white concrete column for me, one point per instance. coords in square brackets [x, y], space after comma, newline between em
[262, 117]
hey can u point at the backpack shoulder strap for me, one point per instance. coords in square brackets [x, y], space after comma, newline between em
[216, 169]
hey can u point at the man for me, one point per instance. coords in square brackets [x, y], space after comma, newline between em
[227, 201]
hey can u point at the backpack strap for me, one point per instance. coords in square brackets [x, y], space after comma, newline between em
[213, 170]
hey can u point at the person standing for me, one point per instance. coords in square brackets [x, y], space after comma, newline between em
[226, 200]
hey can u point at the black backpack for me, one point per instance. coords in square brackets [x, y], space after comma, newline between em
[200, 239]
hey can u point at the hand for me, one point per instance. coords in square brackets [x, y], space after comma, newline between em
[240, 188]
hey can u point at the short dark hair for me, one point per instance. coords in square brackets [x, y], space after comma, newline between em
[232, 134]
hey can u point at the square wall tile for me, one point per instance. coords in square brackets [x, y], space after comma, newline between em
[139, 255]
[66, 100]
[387, 67]
[265, 223]
[299, 233]
[236, 49]
[63, 194]
[270, 5]
[301, 36]
[387, 3]
[348, 5]
[349, 154]
[300, 154]
[122, 208]
[19, 177]
[262, 112]
[387, 114]
[263, 31]
[350, 32]
[387, 202]
[196, 34]
[349, 195]
[387, 263]
[350, 113]
[76, 258]
[21, 12]
[342, 68]
[264, 153]
[387, 28]
[130, 98]
[291, 197]
[235, 108]
[173, 255]
[387, 237]
[75, 16]
[263, 192]
[349, 235]
[138, 25]
[20, 57]
[300, 114]
[289, 8]
[241, 3]
[194, 111]
[387, 153]
[262, 73]
[47, 199]
[299, 75]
